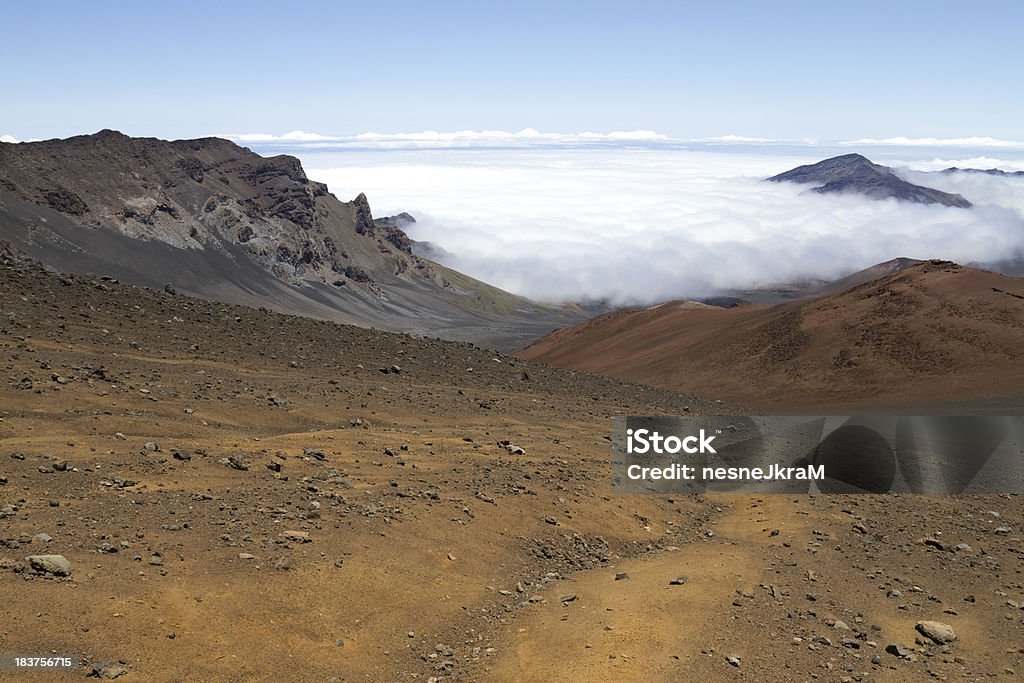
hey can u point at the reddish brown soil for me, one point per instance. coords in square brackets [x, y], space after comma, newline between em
[936, 332]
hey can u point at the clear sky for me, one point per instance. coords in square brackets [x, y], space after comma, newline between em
[771, 69]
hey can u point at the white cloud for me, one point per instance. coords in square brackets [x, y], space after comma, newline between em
[8, 139]
[294, 136]
[463, 138]
[640, 225]
[735, 139]
[934, 142]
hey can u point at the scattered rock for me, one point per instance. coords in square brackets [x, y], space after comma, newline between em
[937, 631]
[236, 463]
[108, 670]
[511, 447]
[898, 649]
[296, 536]
[933, 542]
[57, 565]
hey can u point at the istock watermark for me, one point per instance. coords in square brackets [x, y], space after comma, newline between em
[818, 454]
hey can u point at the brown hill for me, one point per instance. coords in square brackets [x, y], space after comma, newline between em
[813, 289]
[218, 221]
[935, 332]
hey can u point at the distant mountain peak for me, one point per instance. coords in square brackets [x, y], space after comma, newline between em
[857, 174]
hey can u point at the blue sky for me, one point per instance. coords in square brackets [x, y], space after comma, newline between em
[769, 69]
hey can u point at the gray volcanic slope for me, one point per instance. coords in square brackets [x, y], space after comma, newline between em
[217, 221]
[855, 173]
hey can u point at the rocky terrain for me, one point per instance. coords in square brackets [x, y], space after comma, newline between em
[215, 220]
[857, 174]
[934, 337]
[197, 491]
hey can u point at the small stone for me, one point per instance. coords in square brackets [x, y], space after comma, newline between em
[937, 631]
[42, 538]
[57, 565]
[236, 463]
[733, 660]
[152, 446]
[933, 542]
[109, 670]
[898, 649]
[621, 576]
[246, 556]
[679, 581]
[297, 536]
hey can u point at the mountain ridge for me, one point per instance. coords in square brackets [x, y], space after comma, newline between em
[856, 173]
[215, 220]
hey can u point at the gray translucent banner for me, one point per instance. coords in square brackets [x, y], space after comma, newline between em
[864, 454]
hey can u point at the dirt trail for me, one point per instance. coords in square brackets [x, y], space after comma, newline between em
[643, 627]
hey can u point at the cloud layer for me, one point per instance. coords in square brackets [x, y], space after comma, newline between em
[529, 137]
[640, 226]
[463, 138]
[974, 142]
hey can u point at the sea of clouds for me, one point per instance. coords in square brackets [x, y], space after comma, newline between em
[638, 218]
